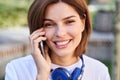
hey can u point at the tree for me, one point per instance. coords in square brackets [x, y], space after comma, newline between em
[117, 74]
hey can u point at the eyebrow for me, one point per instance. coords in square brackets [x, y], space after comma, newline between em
[62, 19]
[68, 17]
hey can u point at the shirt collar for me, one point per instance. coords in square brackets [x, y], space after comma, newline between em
[69, 68]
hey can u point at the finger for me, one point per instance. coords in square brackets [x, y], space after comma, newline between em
[37, 41]
[36, 31]
[35, 44]
[47, 55]
[40, 61]
[38, 34]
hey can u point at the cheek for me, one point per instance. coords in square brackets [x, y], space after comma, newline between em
[76, 31]
[77, 36]
[49, 34]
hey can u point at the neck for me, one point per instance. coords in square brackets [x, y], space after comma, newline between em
[64, 61]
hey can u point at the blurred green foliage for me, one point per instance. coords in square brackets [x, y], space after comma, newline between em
[88, 1]
[109, 65]
[14, 12]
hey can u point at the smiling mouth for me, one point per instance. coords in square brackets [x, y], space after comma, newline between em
[62, 44]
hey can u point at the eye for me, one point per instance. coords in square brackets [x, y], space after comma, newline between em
[69, 21]
[48, 24]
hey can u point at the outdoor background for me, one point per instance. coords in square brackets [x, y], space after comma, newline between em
[14, 32]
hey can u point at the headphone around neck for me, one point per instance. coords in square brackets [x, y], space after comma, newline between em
[63, 74]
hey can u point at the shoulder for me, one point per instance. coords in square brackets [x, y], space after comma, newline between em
[25, 59]
[22, 62]
[19, 66]
[95, 69]
[94, 63]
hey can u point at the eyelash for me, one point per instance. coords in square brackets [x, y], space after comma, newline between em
[48, 24]
[52, 24]
[69, 21]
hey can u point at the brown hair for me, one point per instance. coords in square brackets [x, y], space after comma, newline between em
[37, 11]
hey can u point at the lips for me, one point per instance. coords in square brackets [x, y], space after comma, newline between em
[62, 43]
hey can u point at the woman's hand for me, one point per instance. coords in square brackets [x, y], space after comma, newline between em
[43, 64]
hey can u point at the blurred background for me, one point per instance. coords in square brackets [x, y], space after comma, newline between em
[103, 45]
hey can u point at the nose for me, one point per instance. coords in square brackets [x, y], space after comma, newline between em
[60, 31]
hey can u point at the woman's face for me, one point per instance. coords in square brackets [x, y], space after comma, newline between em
[63, 28]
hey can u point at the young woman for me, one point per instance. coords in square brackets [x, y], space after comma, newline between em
[64, 27]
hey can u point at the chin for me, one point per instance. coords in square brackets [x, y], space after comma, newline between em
[63, 52]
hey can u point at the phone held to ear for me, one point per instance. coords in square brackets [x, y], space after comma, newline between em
[42, 48]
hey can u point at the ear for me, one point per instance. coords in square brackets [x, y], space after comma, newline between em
[83, 22]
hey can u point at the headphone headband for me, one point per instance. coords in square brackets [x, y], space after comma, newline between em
[63, 74]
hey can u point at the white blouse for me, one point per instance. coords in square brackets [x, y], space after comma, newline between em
[25, 69]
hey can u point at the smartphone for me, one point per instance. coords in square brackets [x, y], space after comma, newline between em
[42, 48]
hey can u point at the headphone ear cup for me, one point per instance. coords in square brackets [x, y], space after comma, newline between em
[76, 73]
[60, 74]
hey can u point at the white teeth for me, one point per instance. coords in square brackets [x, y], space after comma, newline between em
[62, 43]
